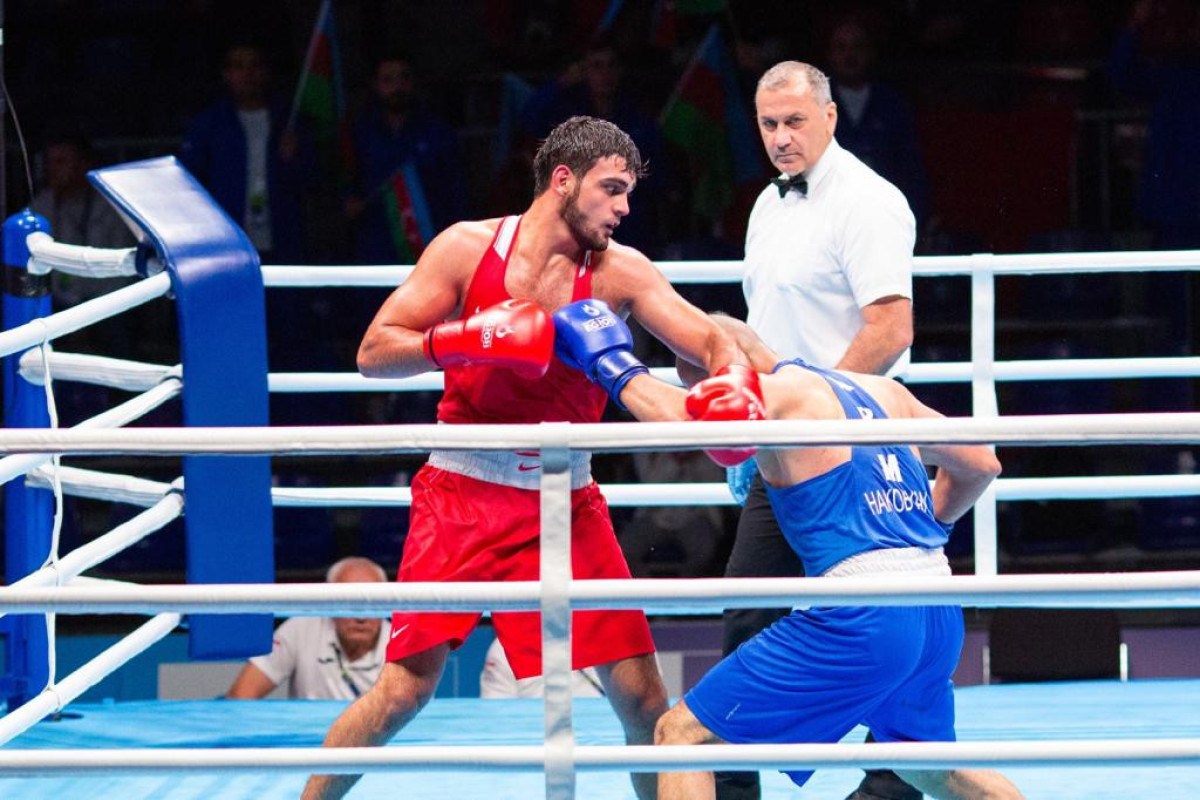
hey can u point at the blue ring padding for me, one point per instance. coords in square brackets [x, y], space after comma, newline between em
[28, 512]
[217, 281]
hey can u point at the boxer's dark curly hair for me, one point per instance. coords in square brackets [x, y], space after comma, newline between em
[579, 143]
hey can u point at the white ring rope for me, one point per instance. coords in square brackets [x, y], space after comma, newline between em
[104, 547]
[136, 376]
[97, 485]
[80, 316]
[1042, 430]
[115, 373]
[660, 595]
[122, 414]
[733, 271]
[87, 676]
[47, 255]
[603, 758]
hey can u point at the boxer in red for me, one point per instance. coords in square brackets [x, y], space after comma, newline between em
[477, 304]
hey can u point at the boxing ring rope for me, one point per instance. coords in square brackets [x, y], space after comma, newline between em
[553, 440]
[141, 492]
[1054, 430]
[132, 375]
[606, 758]
[659, 595]
[86, 313]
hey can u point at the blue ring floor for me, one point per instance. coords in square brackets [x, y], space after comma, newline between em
[1018, 712]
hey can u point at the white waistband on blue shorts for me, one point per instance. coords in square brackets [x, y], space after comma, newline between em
[521, 470]
[915, 561]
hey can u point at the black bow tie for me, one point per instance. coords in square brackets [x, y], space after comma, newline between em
[785, 184]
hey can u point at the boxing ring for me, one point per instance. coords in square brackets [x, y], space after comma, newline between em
[1093, 739]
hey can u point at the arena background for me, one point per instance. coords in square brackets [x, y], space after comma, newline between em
[1027, 146]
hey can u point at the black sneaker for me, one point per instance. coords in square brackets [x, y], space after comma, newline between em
[882, 784]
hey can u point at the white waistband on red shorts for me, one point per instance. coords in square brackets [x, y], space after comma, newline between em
[915, 561]
[521, 469]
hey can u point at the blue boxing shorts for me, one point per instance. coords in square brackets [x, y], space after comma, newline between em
[815, 674]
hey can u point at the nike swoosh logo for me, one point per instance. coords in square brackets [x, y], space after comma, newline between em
[399, 631]
[528, 467]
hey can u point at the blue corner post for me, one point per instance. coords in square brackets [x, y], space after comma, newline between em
[217, 282]
[28, 513]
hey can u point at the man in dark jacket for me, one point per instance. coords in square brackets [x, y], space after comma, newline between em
[254, 164]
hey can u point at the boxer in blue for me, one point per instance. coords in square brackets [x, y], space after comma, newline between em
[817, 673]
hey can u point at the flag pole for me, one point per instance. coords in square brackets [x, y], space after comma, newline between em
[324, 11]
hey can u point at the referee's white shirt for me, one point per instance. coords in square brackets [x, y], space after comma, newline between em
[305, 653]
[813, 262]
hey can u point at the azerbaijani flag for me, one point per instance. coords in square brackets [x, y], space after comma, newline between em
[707, 117]
[407, 213]
[319, 93]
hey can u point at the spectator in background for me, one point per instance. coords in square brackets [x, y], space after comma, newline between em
[874, 121]
[254, 164]
[397, 138]
[594, 86]
[1157, 58]
[77, 214]
[497, 681]
[321, 658]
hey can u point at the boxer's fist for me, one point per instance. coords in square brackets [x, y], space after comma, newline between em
[732, 394]
[516, 334]
[594, 340]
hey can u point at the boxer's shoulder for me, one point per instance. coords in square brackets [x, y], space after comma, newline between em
[619, 271]
[468, 236]
[455, 252]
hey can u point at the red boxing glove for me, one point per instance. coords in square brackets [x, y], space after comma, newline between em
[732, 394]
[517, 334]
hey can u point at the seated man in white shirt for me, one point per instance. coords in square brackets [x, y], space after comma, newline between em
[498, 681]
[321, 658]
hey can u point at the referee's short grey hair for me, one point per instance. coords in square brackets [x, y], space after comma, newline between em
[787, 72]
[338, 567]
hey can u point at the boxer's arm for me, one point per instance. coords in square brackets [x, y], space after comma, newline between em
[963, 471]
[654, 303]
[393, 346]
[651, 400]
[732, 395]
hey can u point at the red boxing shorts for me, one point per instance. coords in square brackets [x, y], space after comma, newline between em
[464, 529]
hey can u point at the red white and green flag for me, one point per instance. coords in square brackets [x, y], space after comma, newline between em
[709, 120]
[407, 213]
[319, 93]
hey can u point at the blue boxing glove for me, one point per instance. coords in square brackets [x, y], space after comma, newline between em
[739, 478]
[591, 338]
